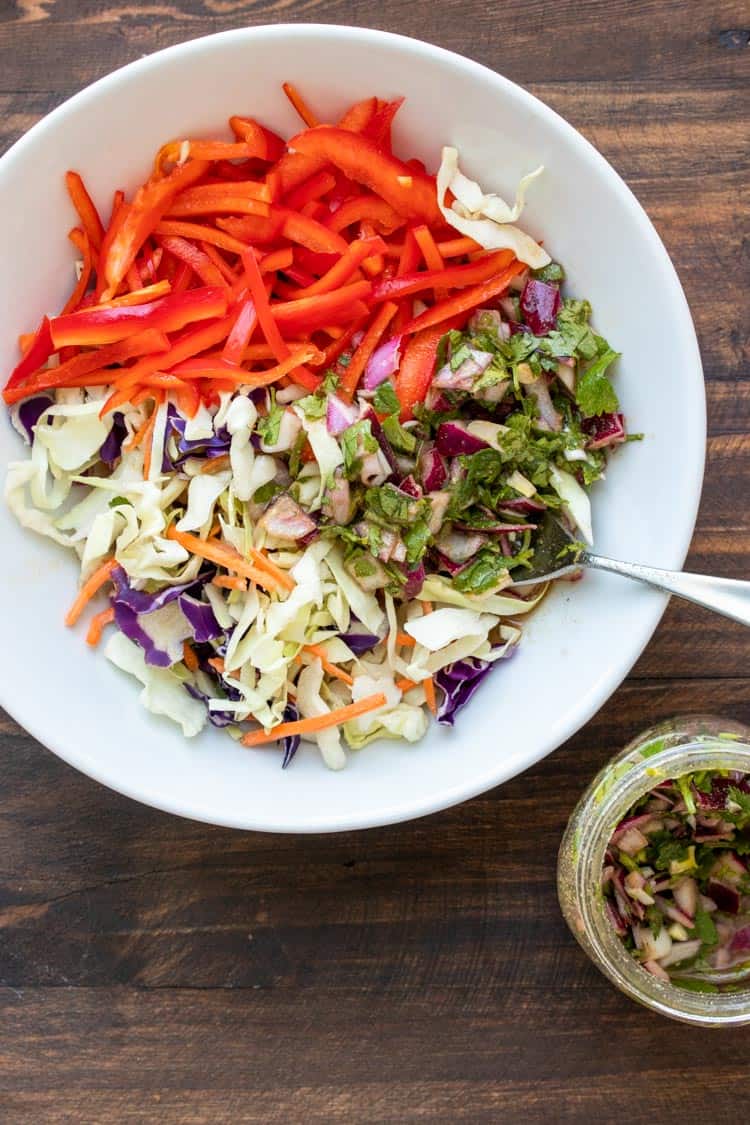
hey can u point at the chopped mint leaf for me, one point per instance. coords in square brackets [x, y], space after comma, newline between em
[385, 399]
[266, 492]
[119, 501]
[704, 928]
[356, 442]
[482, 574]
[344, 360]
[330, 382]
[400, 438]
[269, 426]
[551, 272]
[416, 539]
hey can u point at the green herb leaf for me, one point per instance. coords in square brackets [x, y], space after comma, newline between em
[385, 399]
[119, 502]
[704, 928]
[416, 538]
[551, 272]
[594, 392]
[356, 442]
[268, 427]
[481, 575]
[400, 438]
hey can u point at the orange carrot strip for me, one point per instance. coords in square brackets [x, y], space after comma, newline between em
[215, 464]
[432, 256]
[456, 247]
[137, 296]
[91, 586]
[80, 240]
[429, 693]
[405, 685]
[96, 628]
[217, 663]
[330, 668]
[319, 722]
[426, 607]
[405, 639]
[223, 556]
[229, 582]
[300, 105]
[262, 560]
[189, 659]
[86, 209]
[367, 346]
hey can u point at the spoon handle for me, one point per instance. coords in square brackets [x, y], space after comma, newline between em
[727, 596]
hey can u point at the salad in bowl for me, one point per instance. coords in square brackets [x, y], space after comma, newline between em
[300, 419]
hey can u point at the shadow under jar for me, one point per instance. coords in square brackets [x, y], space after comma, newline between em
[683, 745]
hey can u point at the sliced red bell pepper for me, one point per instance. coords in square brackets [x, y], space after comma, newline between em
[169, 314]
[263, 143]
[242, 198]
[426, 243]
[452, 277]
[340, 345]
[369, 209]
[251, 229]
[86, 209]
[463, 302]
[408, 191]
[319, 184]
[310, 313]
[294, 168]
[379, 129]
[197, 259]
[309, 232]
[417, 367]
[201, 233]
[313, 263]
[242, 330]
[136, 220]
[39, 351]
[78, 370]
[346, 265]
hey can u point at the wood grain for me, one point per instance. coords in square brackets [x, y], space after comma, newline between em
[156, 969]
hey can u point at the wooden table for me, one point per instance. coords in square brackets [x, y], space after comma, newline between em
[156, 969]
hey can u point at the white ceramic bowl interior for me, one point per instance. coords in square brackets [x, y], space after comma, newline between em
[585, 638]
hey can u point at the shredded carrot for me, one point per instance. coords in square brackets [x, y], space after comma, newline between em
[96, 628]
[405, 639]
[80, 240]
[426, 607]
[331, 669]
[262, 560]
[141, 433]
[229, 582]
[215, 464]
[318, 722]
[224, 556]
[429, 694]
[91, 586]
[432, 257]
[300, 105]
[217, 663]
[366, 347]
[189, 658]
[405, 685]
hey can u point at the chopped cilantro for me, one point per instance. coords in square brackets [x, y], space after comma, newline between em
[385, 399]
[594, 392]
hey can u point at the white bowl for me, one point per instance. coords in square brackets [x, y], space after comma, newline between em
[585, 638]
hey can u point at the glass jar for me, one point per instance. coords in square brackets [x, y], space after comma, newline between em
[675, 747]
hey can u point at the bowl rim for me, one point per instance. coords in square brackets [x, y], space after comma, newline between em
[415, 806]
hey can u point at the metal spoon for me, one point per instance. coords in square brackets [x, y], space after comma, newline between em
[727, 596]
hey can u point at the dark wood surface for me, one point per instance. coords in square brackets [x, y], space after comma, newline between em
[153, 969]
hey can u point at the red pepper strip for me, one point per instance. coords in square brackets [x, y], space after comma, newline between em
[267, 320]
[191, 342]
[251, 229]
[369, 342]
[86, 209]
[410, 255]
[105, 326]
[133, 278]
[273, 183]
[220, 262]
[294, 168]
[197, 259]
[200, 233]
[138, 296]
[454, 277]
[308, 232]
[311, 313]
[319, 184]
[417, 367]
[300, 104]
[379, 129]
[174, 151]
[242, 330]
[81, 240]
[78, 370]
[360, 158]
[277, 260]
[183, 278]
[339, 346]
[344, 268]
[229, 205]
[463, 302]
[374, 264]
[37, 354]
[367, 208]
[313, 263]
[136, 220]
[264, 144]
[188, 399]
[457, 247]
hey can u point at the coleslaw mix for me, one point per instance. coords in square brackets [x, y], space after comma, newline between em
[300, 419]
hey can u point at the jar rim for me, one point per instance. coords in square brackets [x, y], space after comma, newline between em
[670, 749]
